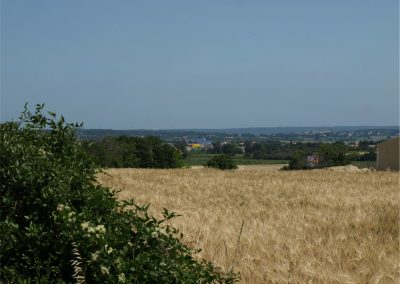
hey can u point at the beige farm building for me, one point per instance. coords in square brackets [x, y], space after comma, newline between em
[388, 155]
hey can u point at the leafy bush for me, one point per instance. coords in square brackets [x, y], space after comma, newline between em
[333, 155]
[298, 161]
[57, 225]
[223, 162]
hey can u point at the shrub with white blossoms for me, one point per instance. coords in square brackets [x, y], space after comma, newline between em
[121, 278]
[104, 270]
[58, 225]
[90, 231]
[95, 256]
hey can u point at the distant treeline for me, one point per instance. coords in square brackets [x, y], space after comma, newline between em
[276, 150]
[268, 150]
[134, 152]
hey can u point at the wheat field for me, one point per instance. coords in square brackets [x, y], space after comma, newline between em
[315, 226]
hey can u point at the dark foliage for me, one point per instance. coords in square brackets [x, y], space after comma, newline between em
[134, 152]
[231, 149]
[223, 162]
[181, 146]
[298, 161]
[276, 150]
[333, 155]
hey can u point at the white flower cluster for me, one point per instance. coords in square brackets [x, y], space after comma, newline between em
[122, 278]
[71, 215]
[95, 256]
[104, 270]
[62, 207]
[97, 231]
[108, 249]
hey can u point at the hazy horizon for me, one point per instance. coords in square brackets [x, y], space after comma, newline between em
[203, 65]
[252, 127]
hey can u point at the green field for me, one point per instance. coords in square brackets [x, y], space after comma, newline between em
[199, 159]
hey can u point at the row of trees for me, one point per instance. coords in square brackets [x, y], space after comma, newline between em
[134, 152]
[276, 150]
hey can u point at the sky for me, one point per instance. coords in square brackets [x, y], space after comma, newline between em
[202, 64]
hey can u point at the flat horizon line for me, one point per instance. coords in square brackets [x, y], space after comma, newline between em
[249, 127]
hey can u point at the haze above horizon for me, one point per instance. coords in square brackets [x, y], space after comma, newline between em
[203, 65]
[254, 128]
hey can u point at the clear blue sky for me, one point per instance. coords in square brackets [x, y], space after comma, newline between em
[203, 64]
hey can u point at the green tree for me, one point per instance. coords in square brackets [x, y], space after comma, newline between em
[231, 149]
[166, 156]
[181, 146]
[298, 161]
[223, 162]
[334, 154]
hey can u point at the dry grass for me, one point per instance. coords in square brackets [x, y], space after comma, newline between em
[299, 227]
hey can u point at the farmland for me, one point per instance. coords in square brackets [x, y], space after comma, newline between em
[279, 227]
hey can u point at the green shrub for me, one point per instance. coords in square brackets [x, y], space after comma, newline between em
[334, 154]
[298, 161]
[223, 162]
[57, 225]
